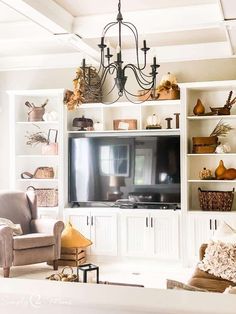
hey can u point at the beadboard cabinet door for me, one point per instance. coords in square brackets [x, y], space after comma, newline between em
[165, 235]
[100, 226]
[201, 228]
[81, 221]
[103, 233]
[151, 234]
[135, 233]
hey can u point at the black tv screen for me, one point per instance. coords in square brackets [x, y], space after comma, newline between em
[136, 168]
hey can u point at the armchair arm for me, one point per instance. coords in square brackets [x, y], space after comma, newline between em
[202, 251]
[49, 226]
[6, 246]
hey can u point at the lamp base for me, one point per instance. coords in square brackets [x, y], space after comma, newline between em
[114, 196]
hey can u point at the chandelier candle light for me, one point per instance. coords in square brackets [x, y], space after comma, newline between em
[116, 68]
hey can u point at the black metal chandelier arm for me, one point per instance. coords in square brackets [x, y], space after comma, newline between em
[134, 102]
[142, 75]
[101, 66]
[135, 33]
[141, 84]
[105, 73]
[107, 27]
[139, 74]
[111, 102]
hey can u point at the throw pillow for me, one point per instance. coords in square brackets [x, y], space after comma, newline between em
[220, 260]
[173, 284]
[225, 233]
[72, 238]
[15, 227]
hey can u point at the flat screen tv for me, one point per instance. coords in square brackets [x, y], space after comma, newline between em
[144, 169]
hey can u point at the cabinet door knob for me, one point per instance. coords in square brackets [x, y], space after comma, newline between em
[91, 220]
[147, 222]
[210, 224]
[215, 224]
[151, 222]
[87, 220]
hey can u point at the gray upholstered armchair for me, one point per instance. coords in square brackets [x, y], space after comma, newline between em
[41, 238]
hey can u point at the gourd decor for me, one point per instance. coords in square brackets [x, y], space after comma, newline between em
[222, 173]
[199, 108]
[220, 169]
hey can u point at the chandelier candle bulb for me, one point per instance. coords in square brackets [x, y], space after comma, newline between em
[154, 61]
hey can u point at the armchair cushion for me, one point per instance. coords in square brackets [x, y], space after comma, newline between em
[32, 240]
[14, 205]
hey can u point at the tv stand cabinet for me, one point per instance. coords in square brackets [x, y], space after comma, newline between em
[128, 233]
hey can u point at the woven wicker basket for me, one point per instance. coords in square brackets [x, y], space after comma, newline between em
[216, 200]
[204, 145]
[46, 197]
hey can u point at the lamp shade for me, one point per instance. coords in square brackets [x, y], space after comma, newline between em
[72, 238]
[116, 181]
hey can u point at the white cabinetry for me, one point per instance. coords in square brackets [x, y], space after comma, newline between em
[201, 228]
[99, 225]
[148, 233]
[105, 114]
[26, 158]
[212, 94]
[200, 225]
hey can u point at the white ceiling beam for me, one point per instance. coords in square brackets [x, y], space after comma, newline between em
[180, 53]
[53, 18]
[152, 21]
[47, 13]
[228, 38]
[52, 61]
[22, 29]
[76, 42]
[72, 60]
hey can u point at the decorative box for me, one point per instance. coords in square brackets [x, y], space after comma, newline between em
[125, 124]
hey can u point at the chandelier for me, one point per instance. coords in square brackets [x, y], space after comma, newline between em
[114, 66]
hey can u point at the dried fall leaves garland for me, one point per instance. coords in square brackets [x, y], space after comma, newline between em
[83, 92]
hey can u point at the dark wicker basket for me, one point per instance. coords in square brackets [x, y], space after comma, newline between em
[216, 200]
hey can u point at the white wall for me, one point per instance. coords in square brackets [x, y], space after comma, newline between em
[209, 70]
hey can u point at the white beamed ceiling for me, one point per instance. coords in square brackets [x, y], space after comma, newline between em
[62, 32]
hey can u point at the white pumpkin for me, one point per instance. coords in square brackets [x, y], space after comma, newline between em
[98, 126]
[223, 148]
[50, 116]
[168, 77]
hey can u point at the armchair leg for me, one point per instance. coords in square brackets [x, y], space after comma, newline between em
[6, 272]
[55, 264]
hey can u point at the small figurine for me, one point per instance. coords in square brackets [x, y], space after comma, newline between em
[177, 120]
[168, 122]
